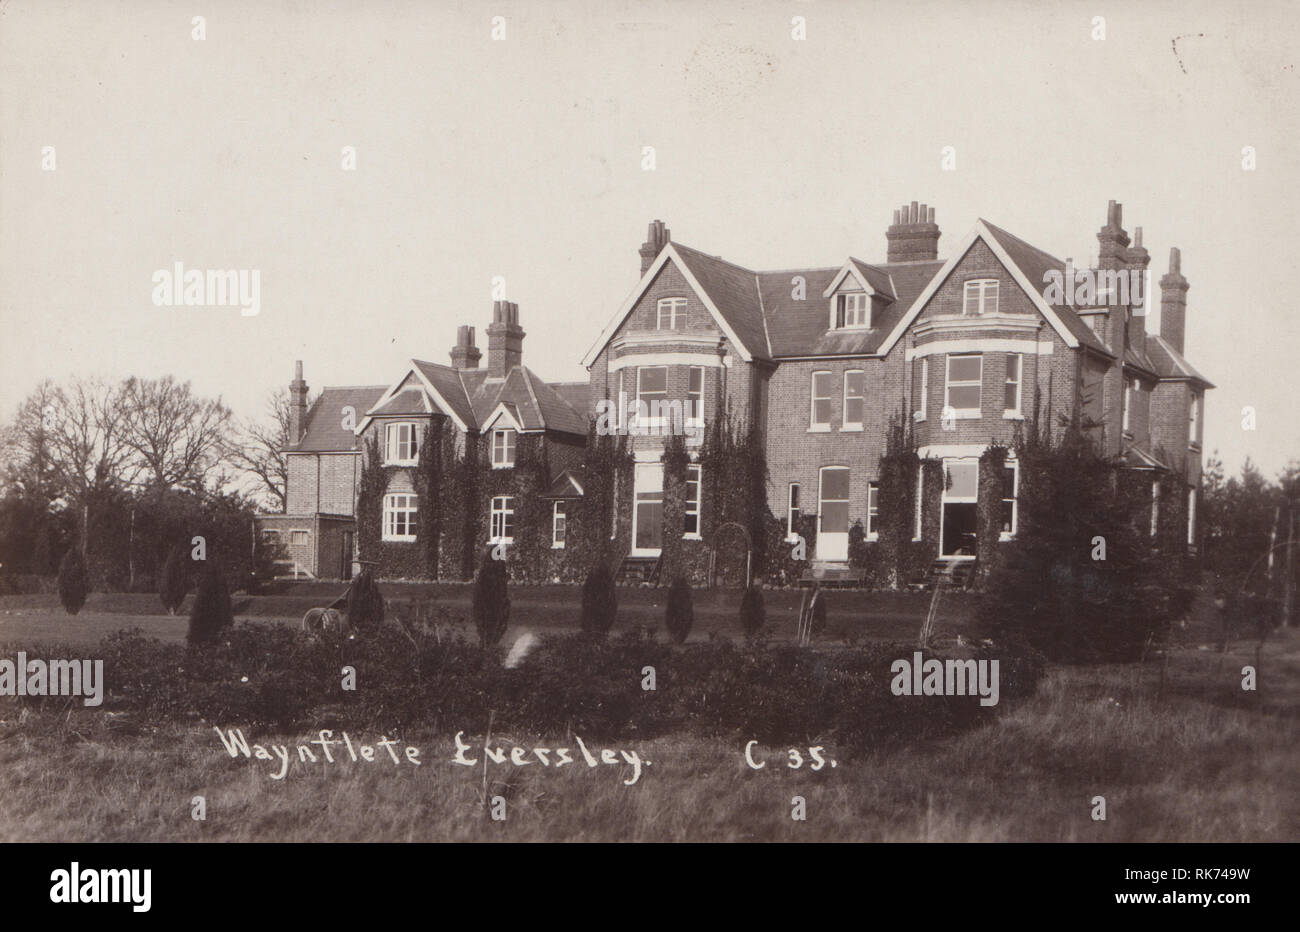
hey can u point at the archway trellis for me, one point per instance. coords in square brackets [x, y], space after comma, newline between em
[713, 553]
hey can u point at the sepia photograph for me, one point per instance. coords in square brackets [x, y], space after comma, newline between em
[754, 421]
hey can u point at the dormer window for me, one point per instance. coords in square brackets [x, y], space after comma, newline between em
[980, 297]
[503, 448]
[400, 448]
[672, 314]
[852, 310]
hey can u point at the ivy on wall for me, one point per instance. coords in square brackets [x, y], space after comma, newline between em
[734, 489]
[988, 510]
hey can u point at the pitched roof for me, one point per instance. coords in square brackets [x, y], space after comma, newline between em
[1169, 363]
[323, 431]
[532, 402]
[734, 292]
[1035, 264]
[1137, 458]
[565, 485]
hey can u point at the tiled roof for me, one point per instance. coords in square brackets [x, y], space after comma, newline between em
[734, 291]
[324, 431]
[564, 486]
[1169, 363]
[1138, 458]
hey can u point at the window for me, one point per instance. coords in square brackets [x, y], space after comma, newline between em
[980, 297]
[820, 417]
[503, 519]
[1191, 517]
[672, 313]
[695, 395]
[792, 513]
[1011, 393]
[558, 519]
[400, 445]
[503, 448]
[1009, 476]
[1155, 507]
[271, 537]
[299, 538]
[852, 310]
[648, 487]
[691, 525]
[965, 380]
[1127, 416]
[652, 389]
[854, 387]
[400, 513]
[923, 391]
[873, 510]
[1193, 419]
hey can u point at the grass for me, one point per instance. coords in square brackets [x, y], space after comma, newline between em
[888, 616]
[1178, 750]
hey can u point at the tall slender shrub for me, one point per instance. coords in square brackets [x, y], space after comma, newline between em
[211, 612]
[491, 606]
[679, 610]
[74, 581]
[599, 601]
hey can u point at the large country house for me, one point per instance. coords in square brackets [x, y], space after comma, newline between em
[820, 363]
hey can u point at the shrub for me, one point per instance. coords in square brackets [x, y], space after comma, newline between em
[752, 612]
[74, 582]
[365, 602]
[175, 582]
[679, 611]
[211, 612]
[599, 601]
[491, 607]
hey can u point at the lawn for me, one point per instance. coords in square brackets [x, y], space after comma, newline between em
[1179, 755]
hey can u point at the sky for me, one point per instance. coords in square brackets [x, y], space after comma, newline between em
[524, 157]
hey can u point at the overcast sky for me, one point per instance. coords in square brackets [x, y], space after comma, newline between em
[523, 158]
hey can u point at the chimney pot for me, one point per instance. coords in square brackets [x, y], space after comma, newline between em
[913, 237]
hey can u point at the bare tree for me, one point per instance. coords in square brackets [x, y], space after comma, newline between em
[26, 460]
[177, 437]
[258, 449]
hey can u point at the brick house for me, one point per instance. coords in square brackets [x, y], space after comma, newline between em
[818, 361]
[820, 358]
[484, 413]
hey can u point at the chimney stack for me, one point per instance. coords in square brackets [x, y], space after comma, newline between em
[656, 239]
[914, 236]
[1138, 260]
[465, 355]
[1173, 302]
[505, 340]
[297, 405]
[1114, 241]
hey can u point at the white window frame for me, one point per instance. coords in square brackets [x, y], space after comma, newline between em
[873, 510]
[559, 524]
[394, 444]
[794, 491]
[688, 511]
[675, 307]
[299, 541]
[1126, 416]
[651, 421]
[949, 385]
[695, 400]
[814, 425]
[1014, 466]
[1018, 381]
[845, 423]
[497, 515]
[852, 314]
[507, 448]
[1191, 517]
[1155, 506]
[1194, 420]
[919, 413]
[920, 496]
[409, 506]
[984, 287]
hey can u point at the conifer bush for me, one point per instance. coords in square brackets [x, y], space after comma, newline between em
[491, 607]
[753, 614]
[211, 613]
[365, 602]
[74, 581]
[679, 611]
[174, 583]
[599, 601]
